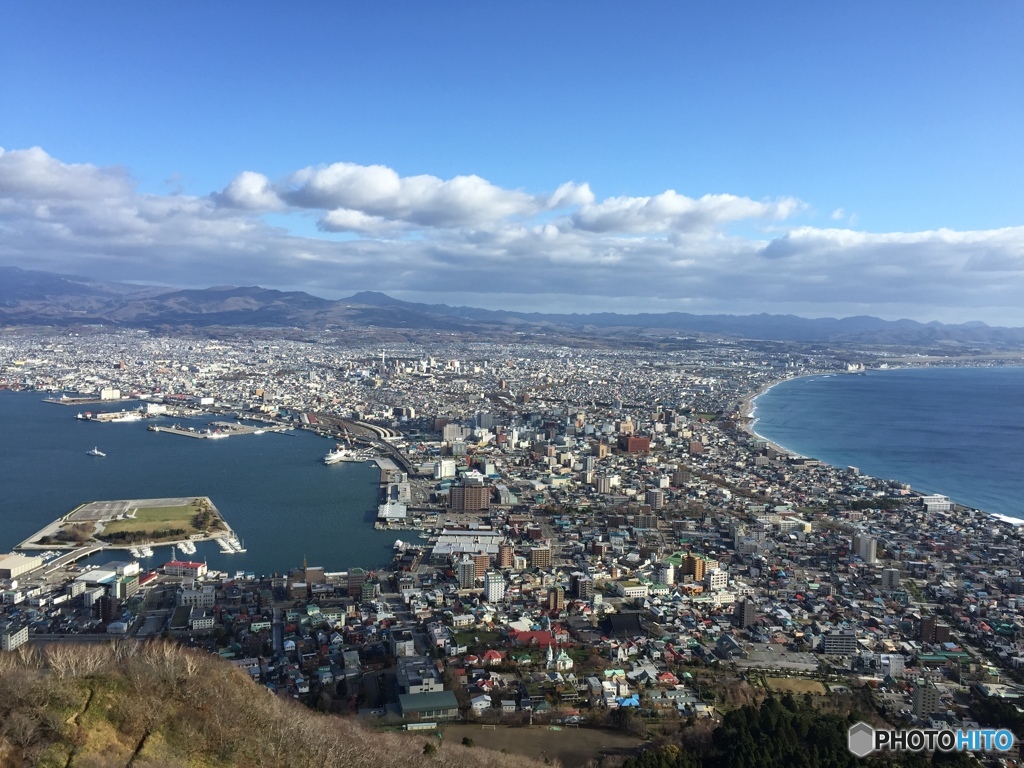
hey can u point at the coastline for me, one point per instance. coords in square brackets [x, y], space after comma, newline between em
[747, 423]
[748, 406]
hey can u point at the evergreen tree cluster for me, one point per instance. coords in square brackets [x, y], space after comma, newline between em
[785, 733]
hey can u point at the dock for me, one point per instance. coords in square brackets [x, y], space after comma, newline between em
[224, 429]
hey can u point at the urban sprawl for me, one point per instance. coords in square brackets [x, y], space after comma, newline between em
[580, 532]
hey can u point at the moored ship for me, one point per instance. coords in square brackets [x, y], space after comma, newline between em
[338, 454]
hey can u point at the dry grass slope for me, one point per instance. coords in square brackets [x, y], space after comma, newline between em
[160, 705]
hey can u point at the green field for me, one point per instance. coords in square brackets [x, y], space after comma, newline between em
[156, 519]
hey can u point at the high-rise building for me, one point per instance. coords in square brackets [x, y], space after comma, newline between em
[108, 608]
[466, 573]
[839, 642]
[469, 498]
[494, 587]
[890, 579]
[631, 444]
[506, 553]
[933, 631]
[655, 497]
[693, 565]
[603, 484]
[665, 573]
[865, 547]
[716, 580]
[681, 477]
[556, 599]
[483, 562]
[926, 699]
[647, 521]
[540, 557]
[582, 586]
[747, 613]
[356, 579]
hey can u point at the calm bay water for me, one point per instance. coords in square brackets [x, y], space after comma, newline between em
[273, 489]
[955, 431]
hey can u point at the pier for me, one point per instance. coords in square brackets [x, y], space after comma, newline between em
[224, 429]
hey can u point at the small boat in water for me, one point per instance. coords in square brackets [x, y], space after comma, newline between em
[96, 452]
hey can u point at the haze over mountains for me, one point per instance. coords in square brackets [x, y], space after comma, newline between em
[34, 298]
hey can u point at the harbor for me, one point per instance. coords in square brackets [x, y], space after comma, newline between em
[272, 491]
[219, 430]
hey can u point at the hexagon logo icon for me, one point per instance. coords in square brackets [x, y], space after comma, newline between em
[860, 739]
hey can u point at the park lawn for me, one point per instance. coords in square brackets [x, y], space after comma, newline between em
[794, 685]
[156, 519]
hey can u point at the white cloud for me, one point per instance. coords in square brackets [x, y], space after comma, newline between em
[466, 235]
[251, 191]
[379, 192]
[672, 211]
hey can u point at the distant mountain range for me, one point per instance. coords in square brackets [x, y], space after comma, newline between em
[29, 297]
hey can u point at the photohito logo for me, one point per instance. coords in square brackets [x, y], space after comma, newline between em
[862, 740]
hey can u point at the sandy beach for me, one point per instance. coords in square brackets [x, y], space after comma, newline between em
[747, 421]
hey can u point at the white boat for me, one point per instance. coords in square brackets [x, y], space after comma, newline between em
[236, 545]
[96, 452]
[224, 546]
[123, 417]
[187, 547]
[146, 551]
[259, 431]
[338, 454]
[136, 552]
[400, 545]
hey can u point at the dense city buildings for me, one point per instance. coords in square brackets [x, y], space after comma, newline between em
[577, 530]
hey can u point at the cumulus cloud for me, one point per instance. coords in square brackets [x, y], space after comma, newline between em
[381, 194]
[250, 191]
[673, 211]
[467, 235]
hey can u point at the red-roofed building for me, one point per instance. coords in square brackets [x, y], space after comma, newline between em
[540, 639]
[185, 569]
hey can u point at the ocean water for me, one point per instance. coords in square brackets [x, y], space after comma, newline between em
[954, 431]
[273, 489]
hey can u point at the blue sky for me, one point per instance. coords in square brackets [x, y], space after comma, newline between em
[822, 158]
